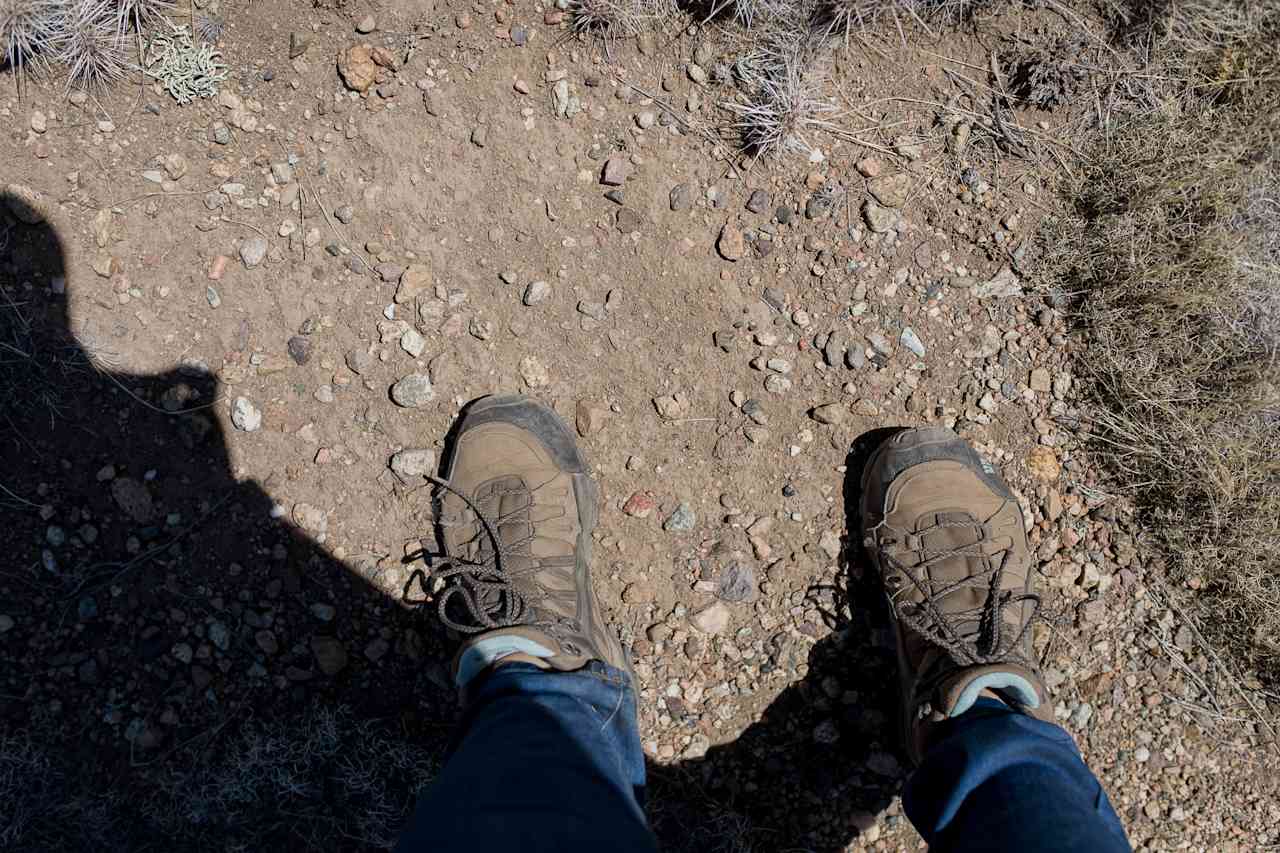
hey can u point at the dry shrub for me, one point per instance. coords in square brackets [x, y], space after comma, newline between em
[783, 107]
[1176, 260]
[847, 17]
[322, 781]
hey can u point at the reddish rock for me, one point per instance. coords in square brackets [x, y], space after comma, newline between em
[640, 505]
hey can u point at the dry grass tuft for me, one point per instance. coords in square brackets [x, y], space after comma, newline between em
[845, 18]
[139, 13]
[614, 19]
[1176, 260]
[26, 32]
[326, 781]
[784, 108]
[90, 43]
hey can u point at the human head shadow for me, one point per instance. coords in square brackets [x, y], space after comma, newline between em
[824, 759]
[161, 614]
[167, 622]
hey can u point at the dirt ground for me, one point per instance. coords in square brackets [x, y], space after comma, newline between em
[189, 605]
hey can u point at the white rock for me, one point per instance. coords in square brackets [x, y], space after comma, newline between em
[245, 415]
[713, 620]
[414, 462]
[412, 342]
[1003, 284]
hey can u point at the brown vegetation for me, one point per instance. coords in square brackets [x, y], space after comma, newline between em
[1174, 255]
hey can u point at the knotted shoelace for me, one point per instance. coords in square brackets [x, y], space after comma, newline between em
[994, 643]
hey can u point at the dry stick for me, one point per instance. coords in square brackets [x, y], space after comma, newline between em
[679, 118]
[262, 233]
[147, 555]
[320, 204]
[17, 498]
[979, 117]
[1258, 715]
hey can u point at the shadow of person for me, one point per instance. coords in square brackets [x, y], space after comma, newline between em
[182, 667]
[176, 659]
[815, 771]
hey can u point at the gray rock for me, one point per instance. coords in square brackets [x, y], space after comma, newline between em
[879, 219]
[367, 24]
[299, 347]
[358, 361]
[737, 583]
[245, 415]
[414, 462]
[628, 220]
[536, 292]
[345, 214]
[311, 518]
[221, 133]
[880, 343]
[830, 413]
[680, 521]
[331, 655]
[759, 201]
[220, 636]
[776, 383]
[253, 251]
[412, 342]
[389, 272]
[833, 350]
[87, 609]
[134, 499]
[911, 341]
[560, 98]
[829, 543]
[753, 410]
[1004, 284]
[413, 391]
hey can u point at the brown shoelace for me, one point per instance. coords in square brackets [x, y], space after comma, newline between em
[994, 642]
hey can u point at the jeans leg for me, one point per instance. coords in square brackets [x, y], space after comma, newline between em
[544, 761]
[997, 780]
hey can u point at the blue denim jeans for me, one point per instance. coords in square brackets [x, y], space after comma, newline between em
[549, 761]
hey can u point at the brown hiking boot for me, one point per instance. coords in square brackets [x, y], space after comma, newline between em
[947, 536]
[518, 511]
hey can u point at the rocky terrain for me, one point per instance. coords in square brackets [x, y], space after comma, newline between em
[258, 315]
